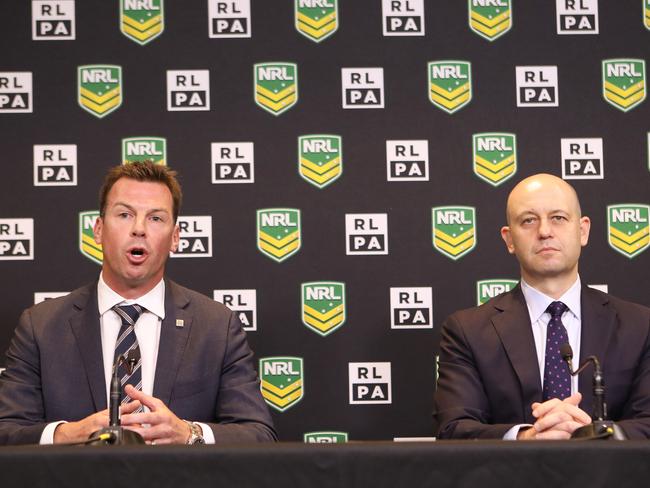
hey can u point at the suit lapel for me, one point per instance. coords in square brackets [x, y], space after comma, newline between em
[513, 326]
[174, 333]
[597, 325]
[86, 330]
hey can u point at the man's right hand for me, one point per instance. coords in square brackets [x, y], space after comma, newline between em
[556, 419]
[81, 430]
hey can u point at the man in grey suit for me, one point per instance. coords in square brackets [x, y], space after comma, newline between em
[193, 379]
[501, 371]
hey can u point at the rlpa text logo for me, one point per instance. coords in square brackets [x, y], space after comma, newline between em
[537, 86]
[142, 20]
[188, 90]
[325, 437]
[16, 92]
[320, 159]
[16, 239]
[233, 162]
[454, 230]
[490, 19]
[486, 289]
[411, 308]
[450, 84]
[99, 88]
[624, 84]
[55, 164]
[281, 381]
[316, 19]
[575, 17]
[495, 156]
[144, 148]
[278, 232]
[53, 20]
[403, 17]
[243, 303]
[229, 18]
[369, 383]
[582, 159]
[407, 160]
[276, 86]
[629, 230]
[362, 87]
[195, 237]
[366, 234]
[323, 306]
[87, 245]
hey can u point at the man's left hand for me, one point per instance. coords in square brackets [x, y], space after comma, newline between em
[164, 426]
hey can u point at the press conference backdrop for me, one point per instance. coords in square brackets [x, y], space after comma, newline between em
[345, 167]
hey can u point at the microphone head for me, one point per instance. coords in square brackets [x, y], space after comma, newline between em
[132, 359]
[566, 352]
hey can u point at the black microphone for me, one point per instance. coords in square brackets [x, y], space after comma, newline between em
[599, 428]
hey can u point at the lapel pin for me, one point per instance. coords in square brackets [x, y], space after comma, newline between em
[180, 322]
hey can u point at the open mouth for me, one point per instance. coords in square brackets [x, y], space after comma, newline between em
[137, 254]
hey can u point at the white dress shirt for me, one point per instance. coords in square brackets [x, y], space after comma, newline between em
[147, 330]
[537, 303]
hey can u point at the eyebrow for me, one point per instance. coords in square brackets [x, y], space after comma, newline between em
[153, 210]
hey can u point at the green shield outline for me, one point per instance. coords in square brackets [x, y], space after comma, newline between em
[482, 21]
[308, 19]
[604, 64]
[267, 93]
[89, 94]
[280, 389]
[434, 211]
[500, 281]
[630, 238]
[305, 314]
[494, 167]
[441, 88]
[153, 139]
[89, 241]
[316, 170]
[341, 437]
[273, 241]
[134, 31]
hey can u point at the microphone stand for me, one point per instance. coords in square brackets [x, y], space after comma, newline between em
[599, 428]
[115, 434]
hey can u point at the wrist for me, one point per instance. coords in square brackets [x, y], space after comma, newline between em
[195, 435]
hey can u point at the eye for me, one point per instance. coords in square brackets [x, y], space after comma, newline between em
[123, 215]
[156, 218]
[559, 218]
[528, 220]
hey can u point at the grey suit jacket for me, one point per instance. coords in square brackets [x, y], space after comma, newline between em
[204, 370]
[489, 374]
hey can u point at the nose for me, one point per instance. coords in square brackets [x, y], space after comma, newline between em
[545, 229]
[138, 228]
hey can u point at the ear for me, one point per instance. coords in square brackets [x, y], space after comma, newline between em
[175, 238]
[97, 229]
[507, 238]
[585, 227]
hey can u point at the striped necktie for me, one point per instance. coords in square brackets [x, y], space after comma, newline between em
[557, 380]
[127, 341]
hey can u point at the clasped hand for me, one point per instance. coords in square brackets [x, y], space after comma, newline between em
[556, 419]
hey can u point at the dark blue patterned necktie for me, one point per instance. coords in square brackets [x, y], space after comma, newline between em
[126, 342]
[557, 380]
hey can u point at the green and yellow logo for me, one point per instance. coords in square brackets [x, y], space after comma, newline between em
[624, 84]
[628, 228]
[99, 88]
[278, 232]
[323, 306]
[495, 156]
[454, 230]
[487, 289]
[490, 19]
[450, 84]
[281, 381]
[646, 14]
[142, 20]
[320, 158]
[144, 148]
[87, 244]
[325, 437]
[276, 86]
[316, 19]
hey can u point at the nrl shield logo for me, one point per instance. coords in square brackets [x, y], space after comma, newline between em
[87, 244]
[454, 230]
[142, 20]
[325, 437]
[316, 19]
[276, 86]
[144, 148]
[490, 19]
[320, 159]
[323, 306]
[486, 289]
[624, 82]
[629, 230]
[278, 232]
[450, 84]
[281, 381]
[495, 156]
[99, 88]
[646, 14]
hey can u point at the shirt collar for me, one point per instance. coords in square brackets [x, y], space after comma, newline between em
[153, 301]
[538, 302]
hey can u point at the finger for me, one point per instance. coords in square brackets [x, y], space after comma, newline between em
[577, 413]
[130, 407]
[543, 408]
[574, 399]
[151, 418]
[553, 435]
[148, 401]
